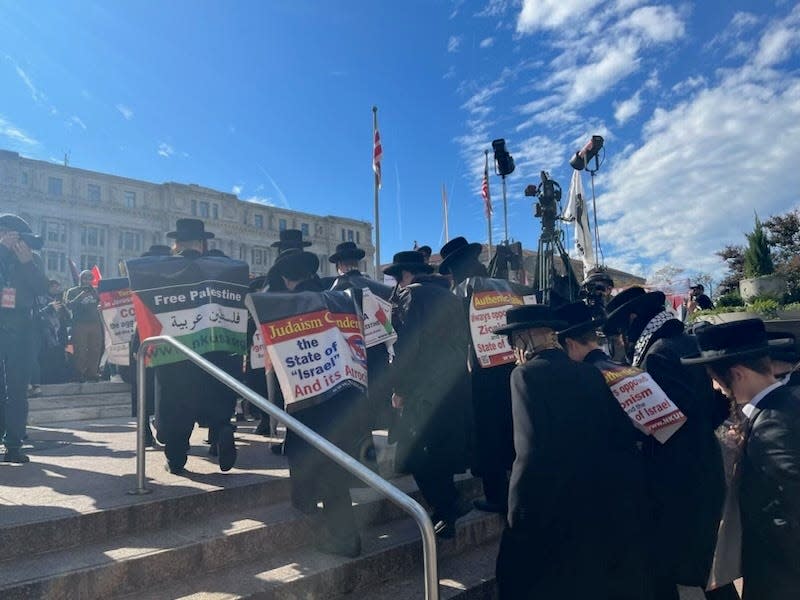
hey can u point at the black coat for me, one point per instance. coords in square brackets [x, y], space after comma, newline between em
[770, 498]
[430, 373]
[557, 541]
[686, 477]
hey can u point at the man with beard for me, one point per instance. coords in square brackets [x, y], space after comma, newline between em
[686, 479]
[492, 436]
[431, 386]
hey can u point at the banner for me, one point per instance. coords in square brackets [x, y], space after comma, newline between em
[198, 301]
[642, 399]
[315, 343]
[577, 211]
[377, 315]
[119, 319]
[489, 299]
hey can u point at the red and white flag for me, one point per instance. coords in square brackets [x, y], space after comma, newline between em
[377, 154]
[487, 199]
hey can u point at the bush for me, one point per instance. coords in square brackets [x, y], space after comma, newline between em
[730, 299]
[766, 308]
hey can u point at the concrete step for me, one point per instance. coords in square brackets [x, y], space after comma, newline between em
[390, 550]
[78, 400]
[78, 408]
[84, 389]
[190, 545]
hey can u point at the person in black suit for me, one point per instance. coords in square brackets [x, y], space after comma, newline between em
[737, 358]
[686, 477]
[557, 540]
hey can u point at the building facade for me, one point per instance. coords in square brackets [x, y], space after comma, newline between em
[99, 219]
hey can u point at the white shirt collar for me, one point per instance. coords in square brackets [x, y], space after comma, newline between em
[749, 408]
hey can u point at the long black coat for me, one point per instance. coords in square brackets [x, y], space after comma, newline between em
[430, 373]
[556, 544]
[770, 498]
[686, 477]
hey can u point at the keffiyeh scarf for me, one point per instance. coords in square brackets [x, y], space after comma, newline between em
[652, 326]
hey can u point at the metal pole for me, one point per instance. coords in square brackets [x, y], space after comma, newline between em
[141, 421]
[505, 208]
[403, 500]
[377, 209]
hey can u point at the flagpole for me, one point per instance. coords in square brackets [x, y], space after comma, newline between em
[377, 210]
[488, 200]
[446, 219]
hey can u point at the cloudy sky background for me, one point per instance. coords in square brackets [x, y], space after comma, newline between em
[698, 102]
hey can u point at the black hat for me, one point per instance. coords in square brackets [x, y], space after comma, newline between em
[783, 346]
[738, 339]
[190, 229]
[599, 276]
[530, 316]
[697, 286]
[290, 238]
[408, 260]
[216, 252]
[347, 251]
[632, 300]
[158, 250]
[425, 251]
[457, 249]
[20, 225]
[579, 318]
[293, 259]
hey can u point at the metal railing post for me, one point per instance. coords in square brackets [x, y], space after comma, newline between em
[400, 498]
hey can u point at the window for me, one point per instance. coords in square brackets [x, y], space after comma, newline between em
[350, 235]
[194, 208]
[130, 199]
[93, 193]
[56, 261]
[93, 236]
[259, 221]
[344, 235]
[128, 240]
[304, 228]
[260, 256]
[242, 252]
[23, 178]
[90, 260]
[215, 211]
[55, 232]
[54, 186]
[281, 224]
[358, 237]
[204, 208]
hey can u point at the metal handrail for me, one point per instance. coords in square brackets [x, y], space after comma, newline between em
[344, 460]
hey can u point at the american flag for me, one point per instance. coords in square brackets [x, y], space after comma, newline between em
[377, 155]
[487, 200]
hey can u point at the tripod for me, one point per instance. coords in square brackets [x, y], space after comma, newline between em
[544, 278]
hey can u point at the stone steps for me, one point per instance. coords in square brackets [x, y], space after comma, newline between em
[69, 402]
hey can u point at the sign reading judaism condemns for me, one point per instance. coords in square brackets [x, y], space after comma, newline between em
[314, 341]
[198, 301]
[116, 308]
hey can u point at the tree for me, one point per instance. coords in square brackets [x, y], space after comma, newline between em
[757, 256]
[734, 257]
[783, 232]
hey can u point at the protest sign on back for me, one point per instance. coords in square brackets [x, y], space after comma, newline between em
[198, 301]
[314, 342]
[119, 320]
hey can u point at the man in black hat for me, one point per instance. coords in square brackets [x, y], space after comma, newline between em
[426, 252]
[737, 358]
[492, 433]
[87, 327]
[189, 394]
[287, 238]
[313, 476]
[686, 479]
[431, 386]
[556, 543]
[22, 279]
[698, 299]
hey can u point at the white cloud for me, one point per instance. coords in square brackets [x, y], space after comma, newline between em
[15, 135]
[237, 189]
[125, 111]
[165, 150]
[777, 45]
[551, 14]
[689, 84]
[655, 23]
[487, 42]
[265, 200]
[494, 8]
[78, 121]
[450, 73]
[453, 43]
[35, 93]
[625, 110]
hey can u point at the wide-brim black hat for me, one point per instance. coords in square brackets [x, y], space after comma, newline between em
[425, 251]
[20, 225]
[408, 260]
[530, 316]
[290, 238]
[158, 250]
[455, 250]
[293, 258]
[783, 346]
[739, 339]
[347, 251]
[190, 229]
[632, 300]
[579, 318]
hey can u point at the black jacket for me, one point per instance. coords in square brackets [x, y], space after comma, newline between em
[770, 498]
[430, 373]
[28, 279]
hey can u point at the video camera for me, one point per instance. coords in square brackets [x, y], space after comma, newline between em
[549, 195]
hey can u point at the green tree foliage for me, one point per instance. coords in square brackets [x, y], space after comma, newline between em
[757, 256]
[783, 233]
[734, 258]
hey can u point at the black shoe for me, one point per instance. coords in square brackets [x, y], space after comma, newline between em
[174, 469]
[226, 448]
[149, 440]
[279, 449]
[263, 427]
[240, 417]
[490, 507]
[348, 547]
[16, 456]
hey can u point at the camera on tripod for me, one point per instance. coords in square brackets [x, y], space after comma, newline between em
[549, 195]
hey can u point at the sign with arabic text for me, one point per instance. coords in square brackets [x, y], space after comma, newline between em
[119, 320]
[199, 301]
[377, 314]
[314, 342]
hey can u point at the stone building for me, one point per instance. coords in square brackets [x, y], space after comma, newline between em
[101, 219]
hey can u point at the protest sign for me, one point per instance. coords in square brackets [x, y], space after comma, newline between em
[489, 299]
[642, 399]
[257, 351]
[377, 315]
[119, 320]
[198, 301]
[315, 343]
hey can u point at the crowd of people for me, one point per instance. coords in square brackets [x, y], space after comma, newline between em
[597, 505]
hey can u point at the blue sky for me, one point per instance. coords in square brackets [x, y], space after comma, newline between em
[698, 103]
